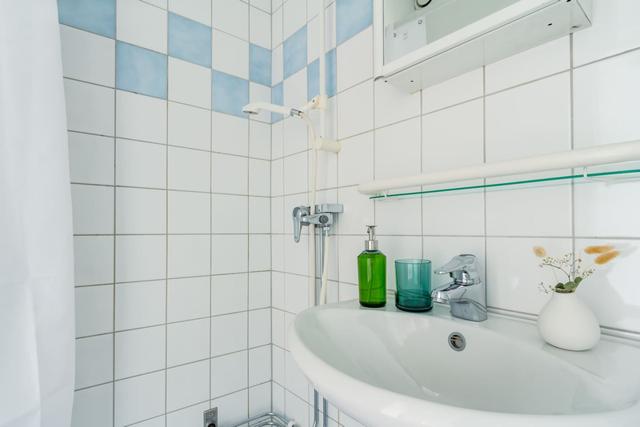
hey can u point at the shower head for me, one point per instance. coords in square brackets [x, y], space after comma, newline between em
[256, 107]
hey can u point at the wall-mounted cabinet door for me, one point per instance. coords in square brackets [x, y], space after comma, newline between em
[428, 41]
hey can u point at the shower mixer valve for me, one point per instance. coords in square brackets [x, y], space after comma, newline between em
[324, 217]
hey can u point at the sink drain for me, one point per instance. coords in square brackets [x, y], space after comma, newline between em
[457, 341]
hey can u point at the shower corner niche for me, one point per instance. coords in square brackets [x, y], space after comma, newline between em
[419, 43]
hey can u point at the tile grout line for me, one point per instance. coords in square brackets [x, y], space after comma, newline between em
[115, 213]
[166, 254]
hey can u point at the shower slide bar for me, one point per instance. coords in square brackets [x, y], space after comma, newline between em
[578, 158]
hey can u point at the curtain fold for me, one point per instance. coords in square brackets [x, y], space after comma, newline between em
[36, 246]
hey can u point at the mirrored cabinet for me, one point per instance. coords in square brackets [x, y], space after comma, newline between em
[423, 42]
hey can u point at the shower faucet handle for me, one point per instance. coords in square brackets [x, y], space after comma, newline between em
[299, 212]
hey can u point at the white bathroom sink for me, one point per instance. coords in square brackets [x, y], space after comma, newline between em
[390, 368]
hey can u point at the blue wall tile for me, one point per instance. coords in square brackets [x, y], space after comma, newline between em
[352, 16]
[97, 16]
[141, 70]
[313, 76]
[313, 79]
[331, 73]
[295, 52]
[260, 65]
[277, 97]
[230, 93]
[189, 40]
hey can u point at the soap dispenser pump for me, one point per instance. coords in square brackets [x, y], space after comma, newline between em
[372, 272]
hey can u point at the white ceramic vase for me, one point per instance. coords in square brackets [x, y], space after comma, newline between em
[568, 323]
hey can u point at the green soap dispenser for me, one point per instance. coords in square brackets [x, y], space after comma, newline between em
[372, 273]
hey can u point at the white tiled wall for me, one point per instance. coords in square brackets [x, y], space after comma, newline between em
[171, 204]
[573, 92]
[186, 270]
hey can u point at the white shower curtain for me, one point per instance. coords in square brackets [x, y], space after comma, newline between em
[36, 246]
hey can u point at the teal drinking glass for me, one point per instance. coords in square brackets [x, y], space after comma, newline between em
[413, 284]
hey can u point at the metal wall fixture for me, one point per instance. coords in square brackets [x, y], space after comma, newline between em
[324, 216]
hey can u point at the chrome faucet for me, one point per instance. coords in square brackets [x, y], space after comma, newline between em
[467, 294]
[324, 217]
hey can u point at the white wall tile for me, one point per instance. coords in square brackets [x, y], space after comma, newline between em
[188, 169]
[229, 253]
[87, 56]
[259, 177]
[295, 174]
[140, 304]
[187, 385]
[94, 315]
[529, 120]
[604, 291]
[188, 342]
[93, 406]
[228, 373]
[229, 174]
[152, 35]
[187, 298]
[614, 30]
[295, 136]
[397, 148]
[259, 140]
[228, 333]
[189, 126]
[231, 16]
[140, 211]
[453, 138]
[540, 61]
[140, 164]
[91, 159]
[198, 10]
[294, 16]
[189, 83]
[276, 29]
[355, 110]
[453, 91]
[233, 408]
[189, 416]
[259, 248]
[140, 258]
[228, 293]
[355, 60]
[92, 209]
[94, 360]
[606, 97]
[259, 328]
[139, 398]
[259, 215]
[296, 294]
[260, 27]
[230, 54]
[259, 365]
[355, 160]
[513, 272]
[607, 209]
[141, 117]
[358, 211]
[260, 398]
[139, 351]
[259, 290]
[188, 255]
[230, 134]
[188, 212]
[90, 108]
[93, 259]
[393, 105]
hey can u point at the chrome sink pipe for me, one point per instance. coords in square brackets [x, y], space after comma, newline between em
[466, 294]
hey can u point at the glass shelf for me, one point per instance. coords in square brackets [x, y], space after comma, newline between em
[551, 179]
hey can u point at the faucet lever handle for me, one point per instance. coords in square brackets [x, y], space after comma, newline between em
[462, 268]
[298, 213]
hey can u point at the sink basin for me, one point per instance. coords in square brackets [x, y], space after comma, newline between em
[387, 368]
